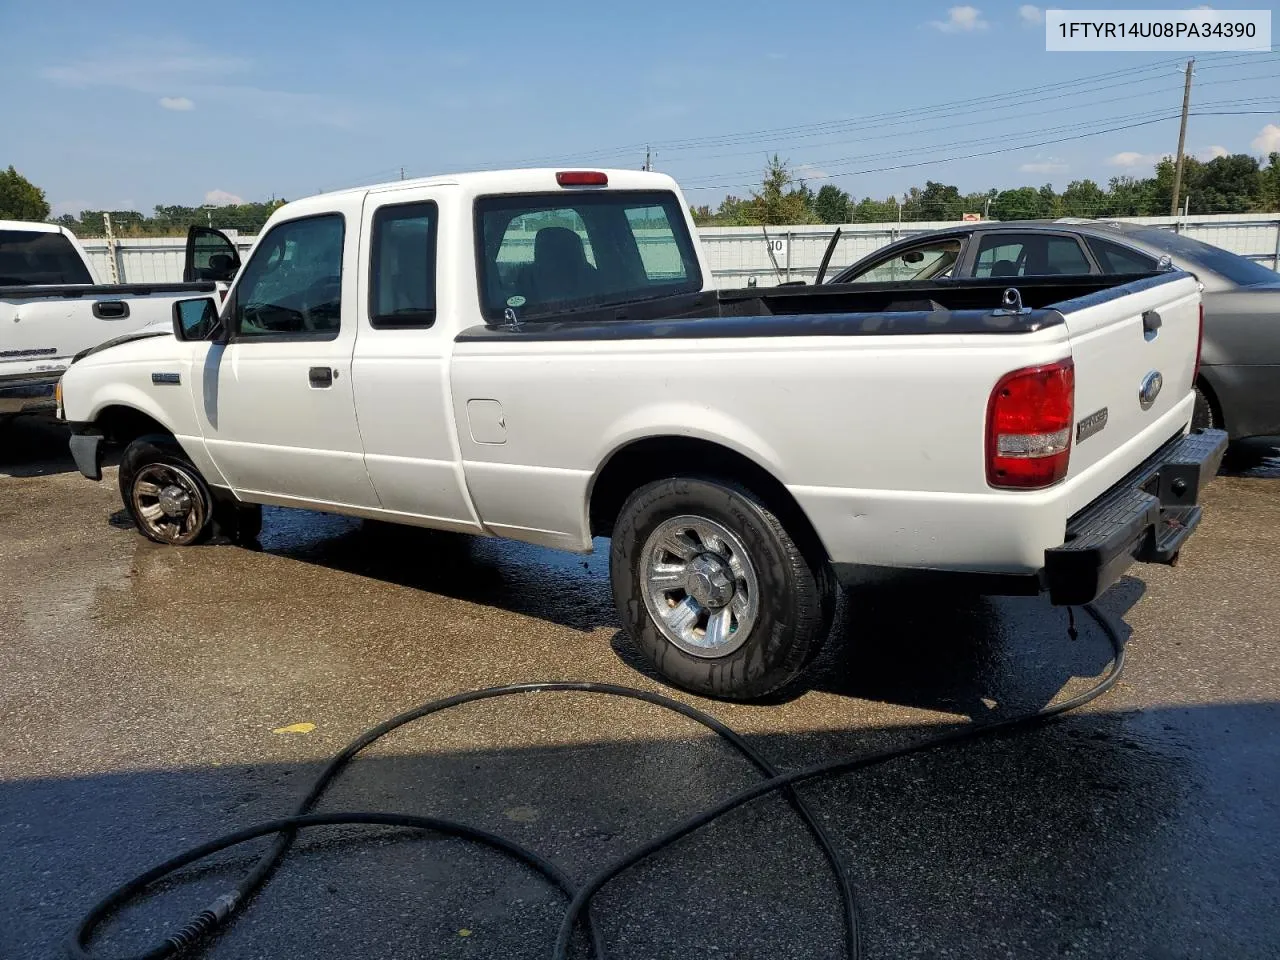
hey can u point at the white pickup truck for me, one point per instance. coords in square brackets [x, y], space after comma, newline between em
[538, 355]
[51, 306]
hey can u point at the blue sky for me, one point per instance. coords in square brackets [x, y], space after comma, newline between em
[126, 105]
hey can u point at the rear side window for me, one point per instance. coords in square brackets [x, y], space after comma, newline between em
[1114, 258]
[27, 257]
[544, 254]
[402, 274]
[1029, 255]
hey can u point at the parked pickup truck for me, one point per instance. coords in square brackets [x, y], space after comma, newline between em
[538, 355]
[51, 306]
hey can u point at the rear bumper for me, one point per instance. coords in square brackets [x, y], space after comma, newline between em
[1146, 518]
[29, 395]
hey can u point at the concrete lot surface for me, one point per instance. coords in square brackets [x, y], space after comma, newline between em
[142, 690]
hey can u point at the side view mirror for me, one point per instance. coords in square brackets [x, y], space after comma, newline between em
[913, 256]
[194, 319]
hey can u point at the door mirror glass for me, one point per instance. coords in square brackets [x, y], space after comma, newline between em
[194, 319]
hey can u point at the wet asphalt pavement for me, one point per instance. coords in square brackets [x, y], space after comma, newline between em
[144, 691]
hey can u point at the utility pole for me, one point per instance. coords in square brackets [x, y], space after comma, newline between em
[648, 159]
[1182, 141]
[402, 173]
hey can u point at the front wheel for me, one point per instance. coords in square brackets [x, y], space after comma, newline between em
[715, 591]
[164, 493]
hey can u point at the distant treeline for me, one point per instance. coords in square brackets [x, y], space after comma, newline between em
[1237, 183]
[171, 221]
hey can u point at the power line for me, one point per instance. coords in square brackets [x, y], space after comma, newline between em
[986, 103]
[977, 141]
[1002, 150]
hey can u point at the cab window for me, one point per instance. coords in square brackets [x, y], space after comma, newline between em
[292, 286]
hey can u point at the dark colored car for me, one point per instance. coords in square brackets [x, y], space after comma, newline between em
[1239, 385]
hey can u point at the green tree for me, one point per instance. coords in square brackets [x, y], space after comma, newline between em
[1050, 203]
[832, 205]
[1231, 184]
[1024, 203]
[20, 199]
[867, 210]
[1270, 176]
[777, 202]
[937, 201]
[977, 202]
[1083, 198]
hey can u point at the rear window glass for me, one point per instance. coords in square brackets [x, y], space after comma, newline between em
[1234, 268]
[544, 254]
[30, 258]
[1117, 259]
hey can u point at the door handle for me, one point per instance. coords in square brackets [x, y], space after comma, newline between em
[110, 309]
[320, 376]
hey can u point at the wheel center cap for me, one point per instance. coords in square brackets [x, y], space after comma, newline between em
[710, 581]
[174, 501]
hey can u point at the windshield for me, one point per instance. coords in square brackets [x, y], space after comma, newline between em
[27, 257]
[541, 255]
[1233, 267]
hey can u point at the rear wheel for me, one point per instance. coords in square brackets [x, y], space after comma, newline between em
[1203, 416]
[164, 494]
[715, 591]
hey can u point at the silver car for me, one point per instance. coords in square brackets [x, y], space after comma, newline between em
[1239, 385]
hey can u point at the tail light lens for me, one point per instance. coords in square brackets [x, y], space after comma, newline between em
[1199, 345]
[1029, 419]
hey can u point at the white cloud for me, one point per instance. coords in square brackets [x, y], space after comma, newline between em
[206, 78]
[177, 103]
[1030, 15]
[960, 20]
[1130, 158]
[221, 198]
[1268, 140]
[1208, 153]
[807, 171]
[1044, 166]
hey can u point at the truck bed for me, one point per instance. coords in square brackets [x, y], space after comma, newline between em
[869, 309]
[100, 291]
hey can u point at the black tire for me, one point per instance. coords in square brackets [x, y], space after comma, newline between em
[146, 465]
[794, 595]
[1203, 416]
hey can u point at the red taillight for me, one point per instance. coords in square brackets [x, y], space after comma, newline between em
[1199, 345]
[582, 178]
[1029, 418]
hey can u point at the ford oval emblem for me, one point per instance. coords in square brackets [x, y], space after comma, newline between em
[1150, 389]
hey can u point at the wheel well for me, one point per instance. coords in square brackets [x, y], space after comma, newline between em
[1215, 404]
[657, 458]
[122, 425]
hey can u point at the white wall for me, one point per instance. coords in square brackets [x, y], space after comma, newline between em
[739, 254]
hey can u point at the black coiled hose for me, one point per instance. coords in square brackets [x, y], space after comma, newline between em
[580, 897]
